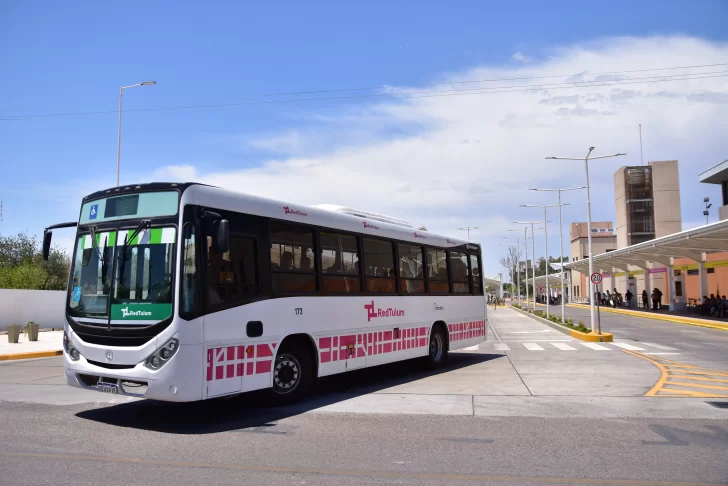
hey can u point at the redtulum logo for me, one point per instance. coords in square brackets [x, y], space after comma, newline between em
[295, 212]
[450, 242]
[418, 235]
[388, 312]
[367, 225]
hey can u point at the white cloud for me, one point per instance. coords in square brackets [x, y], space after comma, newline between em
[417, 166]
[520, 57]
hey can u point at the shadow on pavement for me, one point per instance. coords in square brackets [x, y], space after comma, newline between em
[248, 411]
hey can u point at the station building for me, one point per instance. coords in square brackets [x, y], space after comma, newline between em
[648, 248]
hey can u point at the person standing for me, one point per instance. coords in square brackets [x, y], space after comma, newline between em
[645, 299]
[628, 297]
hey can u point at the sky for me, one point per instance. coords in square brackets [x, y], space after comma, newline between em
[440, 113]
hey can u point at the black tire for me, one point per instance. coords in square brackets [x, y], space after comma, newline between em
[437, 355]
[293, 374]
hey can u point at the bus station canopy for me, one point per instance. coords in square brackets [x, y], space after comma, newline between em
[555, 281]
[693, 244]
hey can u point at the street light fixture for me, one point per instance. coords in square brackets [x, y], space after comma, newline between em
[525, 247]
[118, 141]
[533, 251]
[468, 230]
[546, 238]
[561, 242]
[706, 213]
[588, 222]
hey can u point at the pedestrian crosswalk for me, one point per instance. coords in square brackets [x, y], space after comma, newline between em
[570, 346]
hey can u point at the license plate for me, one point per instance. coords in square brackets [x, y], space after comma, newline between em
[112, 388]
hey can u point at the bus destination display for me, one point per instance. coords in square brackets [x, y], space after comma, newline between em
[121, 206]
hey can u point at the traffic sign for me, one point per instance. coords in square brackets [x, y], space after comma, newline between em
[596, 278]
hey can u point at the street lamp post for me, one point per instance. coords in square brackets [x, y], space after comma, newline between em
[118, 141]
[518, 273]
[533, 252]
[525, 248]
[588, 223]
[561, 243]
[546, 238]
[468, 228]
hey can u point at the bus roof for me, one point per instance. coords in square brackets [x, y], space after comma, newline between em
[327, 216]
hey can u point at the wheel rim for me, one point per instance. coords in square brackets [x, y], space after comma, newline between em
[436, 346]
[286, 374]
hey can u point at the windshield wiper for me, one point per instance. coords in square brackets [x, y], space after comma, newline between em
[144, 224]
[92, 232]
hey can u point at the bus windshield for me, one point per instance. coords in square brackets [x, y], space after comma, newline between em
[140, 290]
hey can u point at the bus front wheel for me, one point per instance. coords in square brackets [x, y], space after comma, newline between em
[292, 374]
[437, 355]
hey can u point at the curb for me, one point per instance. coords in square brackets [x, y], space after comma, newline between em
[30, 355]
[582, 336]
[660, 317]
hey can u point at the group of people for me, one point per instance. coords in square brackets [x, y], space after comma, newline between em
[541, 299]
[615, 298]
[714, 306]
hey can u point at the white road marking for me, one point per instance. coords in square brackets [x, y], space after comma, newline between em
[471, 348]
[529, 332]
[661, 346]
[501, 347]
[532, 347]
[628, 347]
[663, 354]
[563, 347]
[596, 347]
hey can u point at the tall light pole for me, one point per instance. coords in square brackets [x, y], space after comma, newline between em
[533, 251]
[118, 141]
[525, 247]
[588, 223]
[706, 213]
[468, 228]
[546, 239]
[518, 246]
[561, 243]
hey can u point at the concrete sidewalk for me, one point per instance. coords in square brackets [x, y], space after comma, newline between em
[49, 343]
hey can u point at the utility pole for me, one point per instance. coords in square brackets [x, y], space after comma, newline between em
[468, 230]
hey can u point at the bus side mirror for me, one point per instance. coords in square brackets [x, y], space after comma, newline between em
[47, 235]
[221, 235]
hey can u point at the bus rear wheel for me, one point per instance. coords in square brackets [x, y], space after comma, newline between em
[292, 374]
[437, 356]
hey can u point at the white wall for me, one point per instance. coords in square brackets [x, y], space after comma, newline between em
[45, 307]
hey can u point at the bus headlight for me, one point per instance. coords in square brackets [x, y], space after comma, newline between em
[71, 350]
[162, 355]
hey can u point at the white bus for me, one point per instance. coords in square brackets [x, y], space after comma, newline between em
[185, 292]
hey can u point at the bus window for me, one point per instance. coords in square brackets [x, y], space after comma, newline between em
[477, 278]
[340, 263]
[232, 277]
[411, 269]
[379, 266]
[437, 271]
[292, 259]
[460, 273]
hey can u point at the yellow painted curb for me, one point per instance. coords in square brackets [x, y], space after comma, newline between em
[592, 337]
[30, 355]
[660, 317]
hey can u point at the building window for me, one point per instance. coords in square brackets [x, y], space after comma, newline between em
[340, 263]
[437, 271]
[379, 266]
[411, 269]
[460, 273]
[292, 259]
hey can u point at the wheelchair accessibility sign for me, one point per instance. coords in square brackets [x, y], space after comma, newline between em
[93, 212]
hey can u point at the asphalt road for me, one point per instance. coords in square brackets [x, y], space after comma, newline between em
[529, 406]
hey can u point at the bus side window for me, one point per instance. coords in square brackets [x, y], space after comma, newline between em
[189, 269]
[340, 263]
[460, 273]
